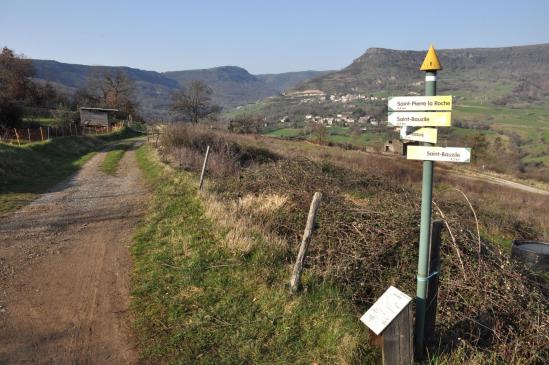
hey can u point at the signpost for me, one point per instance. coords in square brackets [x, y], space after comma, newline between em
[419, 135]
[425, 111]
[420, 119]
[449, 154]
[421, 103]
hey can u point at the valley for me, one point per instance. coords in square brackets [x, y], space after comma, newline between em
[222, 216]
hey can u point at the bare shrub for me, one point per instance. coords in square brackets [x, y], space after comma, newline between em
[490, 309]
[367, 239]
[186, 144]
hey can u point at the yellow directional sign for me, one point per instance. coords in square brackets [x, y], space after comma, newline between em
[420, 119]
[431, 62]
[430, 153]
[420, 103]
[419, 135]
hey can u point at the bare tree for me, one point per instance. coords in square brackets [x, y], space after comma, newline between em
[113, 89]
[320, 132]
[195, 103]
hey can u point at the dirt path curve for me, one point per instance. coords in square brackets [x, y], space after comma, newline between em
[503, 182]
[65, 267]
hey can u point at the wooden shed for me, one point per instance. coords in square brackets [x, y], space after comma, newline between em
[96, 117]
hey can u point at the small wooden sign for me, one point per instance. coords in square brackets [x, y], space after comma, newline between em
[385, 309]
[432, 153]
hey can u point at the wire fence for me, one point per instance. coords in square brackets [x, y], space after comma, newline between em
[20, 136]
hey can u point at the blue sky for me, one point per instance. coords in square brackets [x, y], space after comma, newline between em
[261, 36]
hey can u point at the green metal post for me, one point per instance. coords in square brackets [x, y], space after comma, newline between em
[425, 228]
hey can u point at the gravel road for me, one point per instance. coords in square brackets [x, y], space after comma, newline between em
[65, 270]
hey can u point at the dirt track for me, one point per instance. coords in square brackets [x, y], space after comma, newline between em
[65, 267]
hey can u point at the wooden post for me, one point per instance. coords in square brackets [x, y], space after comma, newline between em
[42, 134]
[29, 134]
[17, 136]
[397, 347]
[204, 168]
[157, 137]
[295, 281]
[432, 283]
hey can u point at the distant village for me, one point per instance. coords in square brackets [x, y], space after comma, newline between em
[318, 96]
[339, 120]
[344, 119]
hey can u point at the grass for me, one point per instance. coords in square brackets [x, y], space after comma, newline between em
[26, 171]
[286, 133]
[198, 302]
[41, 120]
[335, 135]
[110, 164]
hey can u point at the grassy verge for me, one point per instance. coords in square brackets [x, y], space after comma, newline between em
[26, 171]
[110, 164]
[197, 301]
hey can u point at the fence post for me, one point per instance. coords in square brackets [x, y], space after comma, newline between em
[29, 134]
[42, 134]
[204, 168]
[295, 281]
[17, 137]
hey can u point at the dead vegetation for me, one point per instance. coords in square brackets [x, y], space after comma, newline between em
[490, 308]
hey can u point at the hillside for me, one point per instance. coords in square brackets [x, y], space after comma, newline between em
[232, 85]
[288, 80]
[501, 104]
[509, 74]
[152, 88]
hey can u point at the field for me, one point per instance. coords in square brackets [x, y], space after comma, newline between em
[44, 121]
[530, 124]
[337, 136]
[505, 140]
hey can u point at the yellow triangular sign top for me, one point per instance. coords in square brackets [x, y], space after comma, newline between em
[431, 62]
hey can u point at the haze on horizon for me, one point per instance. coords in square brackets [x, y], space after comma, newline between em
[261, 36]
